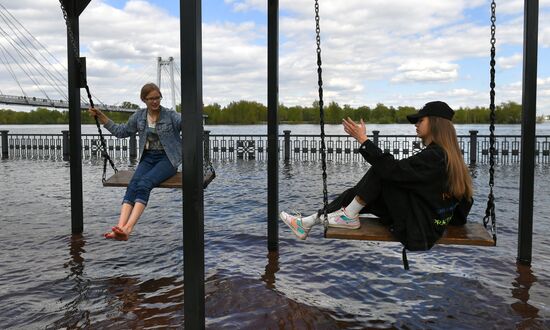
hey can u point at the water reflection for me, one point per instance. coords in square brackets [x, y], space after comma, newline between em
[127, 301]
[287, 172]
[271, 269]
[74, 316]
[154, 302]
[76, 262]
[521, 285]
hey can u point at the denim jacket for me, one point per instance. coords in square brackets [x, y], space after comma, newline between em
[168, 129]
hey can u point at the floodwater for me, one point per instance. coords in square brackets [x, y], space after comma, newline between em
[51, 279]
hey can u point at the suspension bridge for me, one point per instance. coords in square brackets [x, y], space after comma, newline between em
[33, 67]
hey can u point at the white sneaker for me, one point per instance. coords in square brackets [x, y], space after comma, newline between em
[295, 224]
[340, 219]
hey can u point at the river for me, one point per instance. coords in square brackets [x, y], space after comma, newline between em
[51, 279]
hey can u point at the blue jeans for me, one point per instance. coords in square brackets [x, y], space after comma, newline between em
[153, 168]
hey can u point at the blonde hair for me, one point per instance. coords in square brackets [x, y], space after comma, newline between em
[443, 133]
[148, 88]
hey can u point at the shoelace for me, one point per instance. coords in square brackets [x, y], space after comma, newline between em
[297, 213]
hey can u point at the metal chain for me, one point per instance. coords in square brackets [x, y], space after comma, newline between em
[103, 147]
[322, 116]
[490, 211]
[72, 39]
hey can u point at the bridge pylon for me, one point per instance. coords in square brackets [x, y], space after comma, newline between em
[170, 65]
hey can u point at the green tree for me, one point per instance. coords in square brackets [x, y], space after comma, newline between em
[381, 114]
[214, 113]
[129, 105]
[402, 113]
[363, 113]
[333, 113]
[508, 113]
[295, 114]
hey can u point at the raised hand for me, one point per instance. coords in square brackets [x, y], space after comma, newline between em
[357, 131]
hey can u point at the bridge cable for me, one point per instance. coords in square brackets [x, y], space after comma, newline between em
[19, 37]
[60, 74]
[7, 63]
[103, 147]
[14, 27]
[18, 46]
[27, 71]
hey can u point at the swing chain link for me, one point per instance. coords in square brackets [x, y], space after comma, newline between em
[72, 39]
[490, 211]
[103, 146]
[322, 116]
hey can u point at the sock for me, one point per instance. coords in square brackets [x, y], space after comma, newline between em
[311, 220]
[353, 209]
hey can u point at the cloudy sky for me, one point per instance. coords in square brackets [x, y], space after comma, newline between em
[405, 54]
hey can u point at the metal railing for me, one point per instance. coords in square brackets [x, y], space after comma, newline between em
[475, 148]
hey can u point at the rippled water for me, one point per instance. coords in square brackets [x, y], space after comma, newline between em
[50, 279]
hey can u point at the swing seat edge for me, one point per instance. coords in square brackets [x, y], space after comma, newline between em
[372, 229]
[123, 177]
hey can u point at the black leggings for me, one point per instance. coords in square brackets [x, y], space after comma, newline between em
[369, 189]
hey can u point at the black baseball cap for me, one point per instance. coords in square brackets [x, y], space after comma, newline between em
[435, 108]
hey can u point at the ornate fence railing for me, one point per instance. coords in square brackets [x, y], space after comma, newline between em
[475, 148]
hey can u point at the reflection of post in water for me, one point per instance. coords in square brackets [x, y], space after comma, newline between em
[522, 284]
[152, 303]
[287, 169]
[76, 248]
[271, 268]
[74, 315]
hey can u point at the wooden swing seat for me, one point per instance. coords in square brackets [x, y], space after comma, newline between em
[122, 178]
[373, 230]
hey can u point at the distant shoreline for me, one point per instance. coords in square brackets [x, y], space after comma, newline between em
[253, 113]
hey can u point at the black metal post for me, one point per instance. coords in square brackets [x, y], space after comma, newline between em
[192, 179]
[473, 147]
[287, 145]
[272, 125]
[206, 143]
[66, 151]
[133, 147]
[528, 126]
[375, 137]
[5, 150]
[74, 8]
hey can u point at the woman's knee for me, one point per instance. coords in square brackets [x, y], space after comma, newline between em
[144, 184]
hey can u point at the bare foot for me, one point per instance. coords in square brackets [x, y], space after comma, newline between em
[120, 234]
[109, 235]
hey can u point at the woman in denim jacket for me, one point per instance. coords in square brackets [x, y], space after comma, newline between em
[160, 149]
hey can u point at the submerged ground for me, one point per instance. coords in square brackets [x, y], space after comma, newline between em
[50, 279]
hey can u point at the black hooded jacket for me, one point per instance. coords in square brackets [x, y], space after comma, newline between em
[414, 195]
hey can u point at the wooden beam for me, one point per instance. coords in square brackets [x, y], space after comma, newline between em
[373, 230]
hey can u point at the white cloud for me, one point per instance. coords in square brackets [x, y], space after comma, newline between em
[400, 54]
[425, 70]
[510, 61]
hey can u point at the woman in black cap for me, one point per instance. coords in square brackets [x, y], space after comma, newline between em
[416, 196]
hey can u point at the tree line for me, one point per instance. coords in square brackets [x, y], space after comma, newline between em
[250, 112]
[46, 116]
[247, 112]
